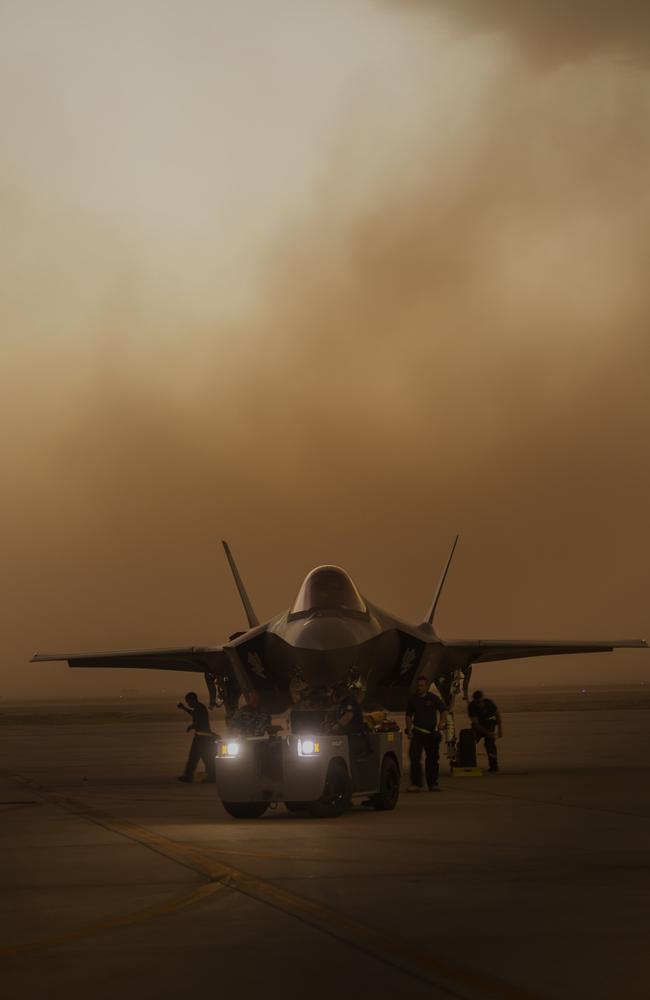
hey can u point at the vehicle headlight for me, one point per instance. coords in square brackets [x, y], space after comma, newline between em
[308, 748]
[230, 749]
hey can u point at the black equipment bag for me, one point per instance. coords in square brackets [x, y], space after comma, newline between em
[466, 750]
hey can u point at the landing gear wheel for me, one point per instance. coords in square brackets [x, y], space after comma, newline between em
[336, 793]
[452, 750]
[245, 810]
[388, 794]
[297, 807]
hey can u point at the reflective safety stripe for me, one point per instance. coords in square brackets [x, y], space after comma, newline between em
[200, 733]
[419, 729]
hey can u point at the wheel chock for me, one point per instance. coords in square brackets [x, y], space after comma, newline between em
[466, 772]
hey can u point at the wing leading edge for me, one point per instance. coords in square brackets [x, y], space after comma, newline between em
[199, 659]
[488, 650]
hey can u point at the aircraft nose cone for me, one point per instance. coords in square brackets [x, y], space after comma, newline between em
[326, 633]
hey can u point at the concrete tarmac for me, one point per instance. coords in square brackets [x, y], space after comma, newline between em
[119, 881]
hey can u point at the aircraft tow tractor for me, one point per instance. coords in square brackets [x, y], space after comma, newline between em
[310, 771]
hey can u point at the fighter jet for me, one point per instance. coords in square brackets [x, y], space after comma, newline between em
[330, 642]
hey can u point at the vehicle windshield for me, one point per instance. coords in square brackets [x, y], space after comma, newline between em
[328, 588]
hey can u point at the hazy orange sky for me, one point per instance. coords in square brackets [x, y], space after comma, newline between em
[332, 281]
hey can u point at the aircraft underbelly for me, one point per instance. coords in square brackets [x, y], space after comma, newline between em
[289, 676]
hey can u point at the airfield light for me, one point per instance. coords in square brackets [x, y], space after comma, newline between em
[230, 749]
[308, 748]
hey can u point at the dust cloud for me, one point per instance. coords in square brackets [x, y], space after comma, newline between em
[555, 31]
[334, 285]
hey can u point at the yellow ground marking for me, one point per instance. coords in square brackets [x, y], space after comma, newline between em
[456, 981]
[127, 920]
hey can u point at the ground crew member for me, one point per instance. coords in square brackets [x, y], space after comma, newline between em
[423, 730]
[204, 739]
[250, 720]
[349, 722]
[486, 723]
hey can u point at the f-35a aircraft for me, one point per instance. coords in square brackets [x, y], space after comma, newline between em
[332, 641]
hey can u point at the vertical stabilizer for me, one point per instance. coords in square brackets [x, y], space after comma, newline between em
[245, 599]
[441, 583]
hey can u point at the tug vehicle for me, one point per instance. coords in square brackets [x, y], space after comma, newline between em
[312, 772]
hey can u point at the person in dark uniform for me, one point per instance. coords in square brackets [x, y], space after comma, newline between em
[250, 720]
[349, 722]
[486, 723]
[203, 743]
[423, 729]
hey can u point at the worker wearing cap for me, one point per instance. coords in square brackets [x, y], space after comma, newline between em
[203, 743]
[486, 723]
[426, 716]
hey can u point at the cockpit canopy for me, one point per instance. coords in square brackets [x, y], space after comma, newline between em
[328, 588]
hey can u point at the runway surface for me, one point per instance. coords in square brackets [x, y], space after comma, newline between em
[119, 881]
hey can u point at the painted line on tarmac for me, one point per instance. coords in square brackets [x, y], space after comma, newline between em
[127, 920]
[458, 982]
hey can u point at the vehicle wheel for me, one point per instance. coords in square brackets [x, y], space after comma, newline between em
[245, 810]
[388, 794]
[297, 807]
[336, 793]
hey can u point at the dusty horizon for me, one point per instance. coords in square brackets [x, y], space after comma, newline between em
[333, 283]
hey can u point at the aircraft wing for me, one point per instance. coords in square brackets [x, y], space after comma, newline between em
[487, 650]
[199, 659]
